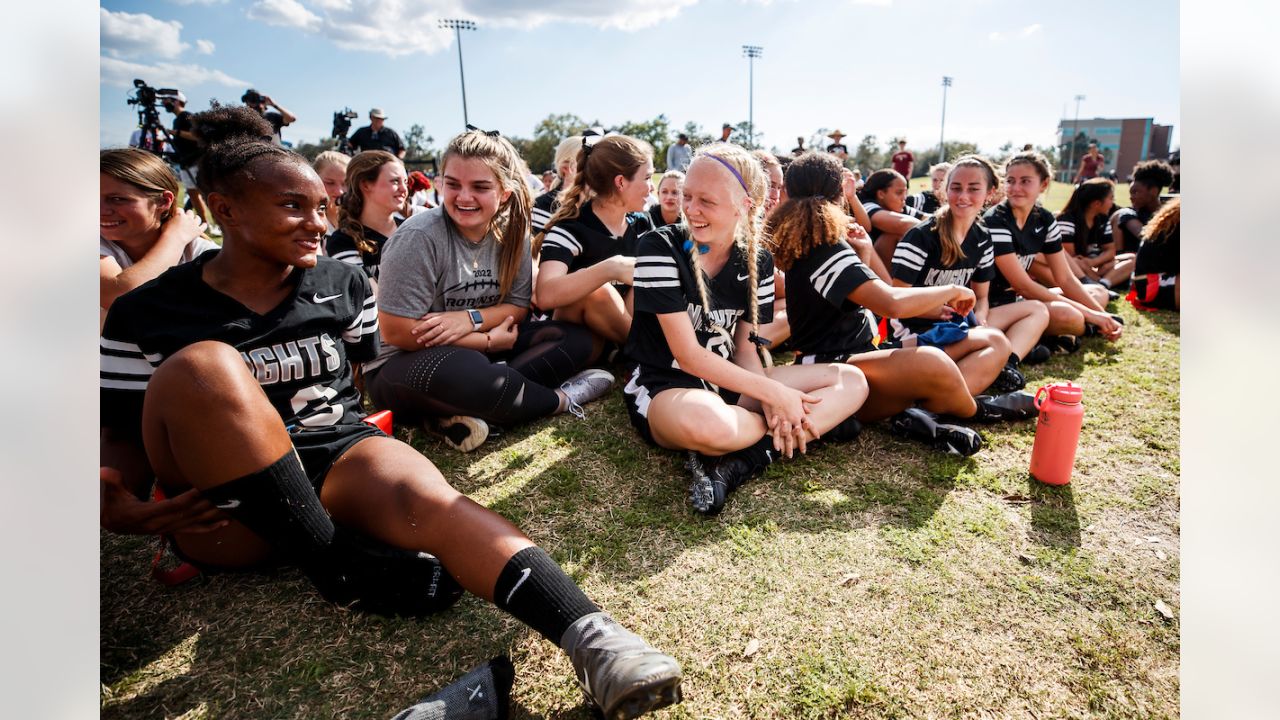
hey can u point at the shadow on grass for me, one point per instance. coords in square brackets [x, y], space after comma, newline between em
[1168, 321]
[1054, 520]
[1097, 350]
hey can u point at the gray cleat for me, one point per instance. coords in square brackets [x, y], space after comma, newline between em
[618, 670]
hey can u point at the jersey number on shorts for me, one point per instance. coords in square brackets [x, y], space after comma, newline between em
[317, 402]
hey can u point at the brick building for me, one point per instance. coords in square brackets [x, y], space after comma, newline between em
[1124, 141]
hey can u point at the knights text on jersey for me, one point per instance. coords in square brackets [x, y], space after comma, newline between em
[300, 352]
[664, 283]
[823, 318]
[1040, 234]
[584, 241]
[917, 260]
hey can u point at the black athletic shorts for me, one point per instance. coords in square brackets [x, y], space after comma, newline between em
[319, 448]
[637, 395]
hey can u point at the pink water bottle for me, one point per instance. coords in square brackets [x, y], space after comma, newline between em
[1057, 432]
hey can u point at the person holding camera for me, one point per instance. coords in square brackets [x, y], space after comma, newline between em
[186, 149]
[278, 119]
[377, 136]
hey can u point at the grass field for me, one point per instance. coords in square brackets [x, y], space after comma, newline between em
[873, 580]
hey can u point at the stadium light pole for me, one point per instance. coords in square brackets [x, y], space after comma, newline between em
[942, 133]
[751, 52]
[1071, 147]
[457, 26]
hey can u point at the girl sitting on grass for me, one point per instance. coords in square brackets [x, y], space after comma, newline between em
[459, 350]
[1022, 230]
[952, 247]
[667, 210]
[699, 384]
[257, 340]
[586, 252]
[828, 288]
[884, 196]
[1088, 241]
[375, 190]
[1156, 282]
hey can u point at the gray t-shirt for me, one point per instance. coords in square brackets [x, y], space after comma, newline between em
[427, 266]
[194, 249]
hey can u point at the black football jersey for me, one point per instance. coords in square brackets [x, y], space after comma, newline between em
[544, 206]
[1087, 241]
[300, 352]
[342, 247]
[823, 318]
[1129, 241]
[1158, 257]
[584, 241]
[923, 204]
[1040, 234]
[664, 283]
[655, 216]
[917, 261]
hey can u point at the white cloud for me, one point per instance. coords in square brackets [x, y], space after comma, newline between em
[1031, 29]
[197, 2]
[136, 34]
[205, 47]
[395, 28]
[120, 73]
[995, 37]
[285, 13]
[880, 3]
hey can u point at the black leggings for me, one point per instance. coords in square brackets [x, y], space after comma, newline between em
[449, 380]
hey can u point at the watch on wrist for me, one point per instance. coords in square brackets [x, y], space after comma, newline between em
[477, 320]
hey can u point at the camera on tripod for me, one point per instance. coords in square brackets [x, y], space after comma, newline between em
[341, 124]
[149, 100]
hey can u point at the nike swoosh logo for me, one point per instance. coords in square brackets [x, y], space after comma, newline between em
[318, 300]
[524, 575]
[743, 277]
[229, 505]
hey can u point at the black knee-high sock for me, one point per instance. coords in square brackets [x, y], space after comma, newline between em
[278, 503]
[534, 589]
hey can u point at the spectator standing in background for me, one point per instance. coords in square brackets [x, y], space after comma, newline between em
[838, 148]
[725, 131]
[278, 118]
[679, 154]
[903, 160]
[1090, 164]
[377, 136]
[186, 149]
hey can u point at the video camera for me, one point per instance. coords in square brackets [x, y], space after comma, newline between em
[149, 100]
[341, 124]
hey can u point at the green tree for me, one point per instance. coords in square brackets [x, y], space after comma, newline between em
[540, 151]
[954, 149]
[697, 136]
[418, 144]
[656, 132]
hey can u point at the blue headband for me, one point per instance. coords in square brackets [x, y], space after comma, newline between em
[736, 174]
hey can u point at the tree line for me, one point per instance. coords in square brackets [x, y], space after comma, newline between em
[870, 154]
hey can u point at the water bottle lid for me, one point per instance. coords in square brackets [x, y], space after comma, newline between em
[1066, 393]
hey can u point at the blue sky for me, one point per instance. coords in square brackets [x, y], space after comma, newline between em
[864, 66]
